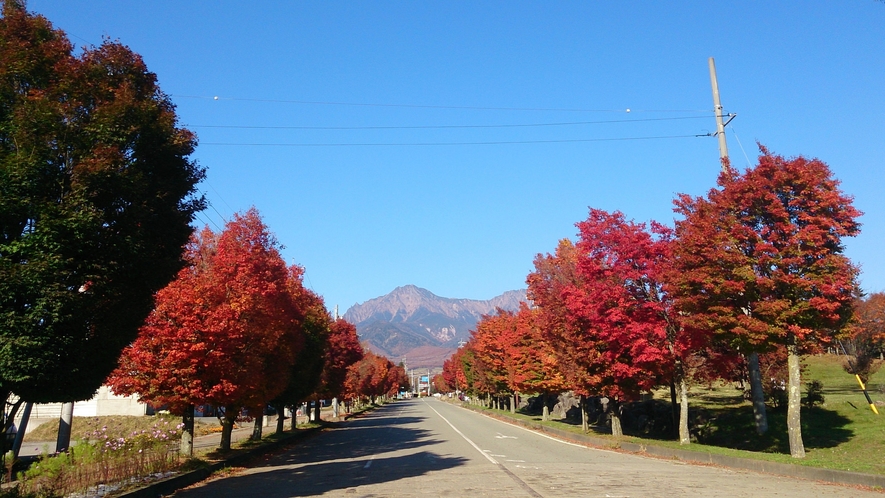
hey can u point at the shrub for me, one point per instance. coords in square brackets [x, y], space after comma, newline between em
[814, 394]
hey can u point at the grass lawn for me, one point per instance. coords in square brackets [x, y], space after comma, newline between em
[842, 434]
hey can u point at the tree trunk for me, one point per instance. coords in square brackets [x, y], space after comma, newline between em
[758, 395]
[684, 435]
[335, 408]
[294, 417]
[22, 429]
[186, 446]
[615, 407]
[281, 419]
[512, 402]
[63, 442]
[316, 412]
[8, 418]
[674, 408]
[794, 428]
[545, 412]
[257, 427]
[227, 426]
[585, 417]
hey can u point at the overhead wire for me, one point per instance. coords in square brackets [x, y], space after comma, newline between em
[733, 132]
[431, 144]
[441, 127]
[219, 196]
[426, 106]
[206, 220]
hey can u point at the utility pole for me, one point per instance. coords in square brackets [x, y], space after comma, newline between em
[755, 373]
[717, 107]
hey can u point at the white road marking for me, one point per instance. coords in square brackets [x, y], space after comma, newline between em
[398, 415]
[502, 436]
[481, 452]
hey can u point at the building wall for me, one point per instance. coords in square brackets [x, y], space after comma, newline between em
[103, 403]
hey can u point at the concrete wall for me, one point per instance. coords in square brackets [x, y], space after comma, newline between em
[103, 403]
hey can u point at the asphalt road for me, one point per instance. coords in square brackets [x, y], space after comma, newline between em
[431, 448]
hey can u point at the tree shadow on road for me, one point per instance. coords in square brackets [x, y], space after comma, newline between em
[344, 456]
[320, 477]
[372, 440]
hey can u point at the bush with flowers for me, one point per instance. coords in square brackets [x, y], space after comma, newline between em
[101, 460]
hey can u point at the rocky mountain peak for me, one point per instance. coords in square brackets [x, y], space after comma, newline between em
[411, 318]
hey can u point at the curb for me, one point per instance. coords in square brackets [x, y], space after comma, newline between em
[702, 457]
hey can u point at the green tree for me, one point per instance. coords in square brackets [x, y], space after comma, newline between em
[96, 199]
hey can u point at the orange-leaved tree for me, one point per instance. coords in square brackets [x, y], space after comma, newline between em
[533, 367]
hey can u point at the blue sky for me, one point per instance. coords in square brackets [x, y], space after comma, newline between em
[466, 219]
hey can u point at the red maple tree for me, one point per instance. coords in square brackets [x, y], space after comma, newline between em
[225, 332]
[761, 262]
[344, 351]
[367, 378]
[618, 307]
[305, 374]
[547, 286]
[453, 375]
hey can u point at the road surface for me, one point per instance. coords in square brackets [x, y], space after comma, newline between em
[425, 447]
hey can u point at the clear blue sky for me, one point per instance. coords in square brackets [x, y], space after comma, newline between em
[805, 78]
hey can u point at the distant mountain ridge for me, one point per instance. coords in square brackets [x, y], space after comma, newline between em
[416, 324]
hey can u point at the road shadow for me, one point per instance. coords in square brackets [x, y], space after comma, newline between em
[318, 478]
[358, 443]
[386, 420]
[380, 447]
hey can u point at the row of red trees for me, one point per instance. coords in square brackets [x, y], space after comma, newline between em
[756, 267]
[237, 329]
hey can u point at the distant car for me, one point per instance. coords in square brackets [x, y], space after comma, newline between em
[437, 395]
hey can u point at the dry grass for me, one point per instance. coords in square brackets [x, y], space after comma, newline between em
[117, 425]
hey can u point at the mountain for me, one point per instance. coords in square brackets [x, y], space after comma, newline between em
[415, 324]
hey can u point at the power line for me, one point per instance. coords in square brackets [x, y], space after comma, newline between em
[427, 106]
[422, 144]
[207, 223]
[219, 196]
[440, 127]
[216, 211]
